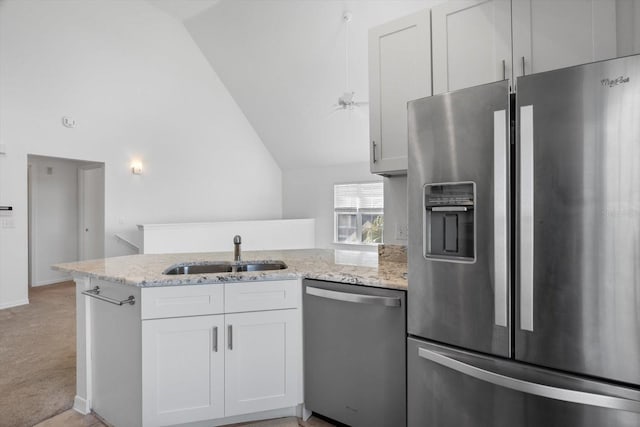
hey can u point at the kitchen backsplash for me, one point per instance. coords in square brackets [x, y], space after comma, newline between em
[392, 253]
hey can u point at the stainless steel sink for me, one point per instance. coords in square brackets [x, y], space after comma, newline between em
[225, 267]
[260, 266]
[218, 267]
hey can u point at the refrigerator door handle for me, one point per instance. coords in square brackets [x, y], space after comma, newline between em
[500, 218]
[526, 217]
[563, 394]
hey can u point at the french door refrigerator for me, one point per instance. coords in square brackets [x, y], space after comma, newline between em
[524, 252]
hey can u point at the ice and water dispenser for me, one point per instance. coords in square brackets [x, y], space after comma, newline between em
[449, 221]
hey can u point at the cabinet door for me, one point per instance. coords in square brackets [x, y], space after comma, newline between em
[399, 71]
[551, 34]
[262, 361]
[471, 43]
[182, 369]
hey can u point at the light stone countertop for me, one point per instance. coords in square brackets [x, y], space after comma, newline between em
[351, 267]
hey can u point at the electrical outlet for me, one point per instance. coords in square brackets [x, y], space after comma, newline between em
[402, 232]
[68, 122]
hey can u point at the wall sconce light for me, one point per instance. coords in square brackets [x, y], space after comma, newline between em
[136, 168]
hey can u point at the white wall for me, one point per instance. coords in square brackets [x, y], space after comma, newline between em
[308, 193]
[396, 216]
[138, 87]
[55, 214]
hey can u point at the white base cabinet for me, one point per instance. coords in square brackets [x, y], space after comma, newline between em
[154, 364]
[262, 359]
[182, 370]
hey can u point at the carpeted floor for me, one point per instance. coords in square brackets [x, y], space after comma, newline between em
[38, 356]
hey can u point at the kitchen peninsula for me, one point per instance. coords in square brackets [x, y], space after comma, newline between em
[353, 267]
[203, 349]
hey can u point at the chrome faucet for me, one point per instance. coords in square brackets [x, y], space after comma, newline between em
[237, 240]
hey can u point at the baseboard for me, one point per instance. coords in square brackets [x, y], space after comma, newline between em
[81, 405]
[304, 413]
[14, 303]
[52, 281]
[257, 416]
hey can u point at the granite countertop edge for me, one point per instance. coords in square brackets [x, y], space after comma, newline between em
[146, 270]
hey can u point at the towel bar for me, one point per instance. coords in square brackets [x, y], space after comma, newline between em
[95, 293]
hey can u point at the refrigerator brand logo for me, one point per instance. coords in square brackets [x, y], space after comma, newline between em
[614, 82]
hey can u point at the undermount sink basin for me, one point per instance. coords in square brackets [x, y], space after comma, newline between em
[225, 267]
[260, 266]
[199, 268]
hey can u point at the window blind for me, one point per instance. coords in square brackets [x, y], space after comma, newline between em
[366, 196]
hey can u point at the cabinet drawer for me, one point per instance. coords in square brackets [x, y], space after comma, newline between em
[268, 295]
[178, 301]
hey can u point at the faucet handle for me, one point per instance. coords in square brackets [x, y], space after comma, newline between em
[237, 240]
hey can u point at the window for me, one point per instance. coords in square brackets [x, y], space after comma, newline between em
[358, 213]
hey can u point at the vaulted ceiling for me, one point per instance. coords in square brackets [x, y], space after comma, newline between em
[183, 9]
[284, 62]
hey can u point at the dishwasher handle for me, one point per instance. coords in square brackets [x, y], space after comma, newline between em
[355, 298]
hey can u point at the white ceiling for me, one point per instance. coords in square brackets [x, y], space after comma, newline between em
[183, 9]
[283, 61]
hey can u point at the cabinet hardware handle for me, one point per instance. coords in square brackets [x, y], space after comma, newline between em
[6, 208]
[374, 151]
[536, 389]
[504, 70]
[95, 293]
[523, 69]
[230, 333]
[215, 339]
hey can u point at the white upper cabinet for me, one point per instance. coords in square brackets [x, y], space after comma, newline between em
[482, 41]
[551, 34]
[399, 71]
[471, 43]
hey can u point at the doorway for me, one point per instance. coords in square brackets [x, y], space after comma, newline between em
[66, 215]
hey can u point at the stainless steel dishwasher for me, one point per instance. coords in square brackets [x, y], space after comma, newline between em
[354, 353]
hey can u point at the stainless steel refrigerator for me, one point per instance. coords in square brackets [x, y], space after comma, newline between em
[524, 252]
